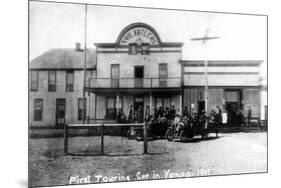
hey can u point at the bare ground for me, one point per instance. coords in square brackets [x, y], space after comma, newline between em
[229, 154]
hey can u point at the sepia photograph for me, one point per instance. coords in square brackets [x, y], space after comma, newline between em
[123, 93]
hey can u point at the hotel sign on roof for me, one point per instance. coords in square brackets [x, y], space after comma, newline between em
[138, 33]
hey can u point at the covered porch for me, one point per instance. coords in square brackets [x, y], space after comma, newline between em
[111, 102]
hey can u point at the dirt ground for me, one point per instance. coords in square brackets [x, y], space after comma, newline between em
[231, 153]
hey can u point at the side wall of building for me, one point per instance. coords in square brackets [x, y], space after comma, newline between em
[50, 97]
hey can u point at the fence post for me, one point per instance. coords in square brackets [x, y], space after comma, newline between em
[101, 132]
[145, 138]
[65, 139]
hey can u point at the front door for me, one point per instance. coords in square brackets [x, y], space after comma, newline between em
[232, 116]
[201, 106]
[111, 108]
[139, 72]
[232, 102]
[138, 107]
[60, 112]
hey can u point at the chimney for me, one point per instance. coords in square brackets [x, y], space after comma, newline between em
[78, 47]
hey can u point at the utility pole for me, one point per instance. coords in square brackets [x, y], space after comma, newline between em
[204, 40]
[84, 70]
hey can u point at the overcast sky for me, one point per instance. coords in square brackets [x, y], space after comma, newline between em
[57, 25]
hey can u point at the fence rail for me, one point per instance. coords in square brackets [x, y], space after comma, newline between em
[88, 126]
[105, 125]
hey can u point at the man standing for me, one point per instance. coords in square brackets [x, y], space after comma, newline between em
[185, 112]
[147, 113]
[140, 114]
[130, 114]
[219, 115]
[173, 112]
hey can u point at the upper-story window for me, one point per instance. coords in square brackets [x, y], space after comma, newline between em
[69, 80]
[145, 49]
[34, 80]
[133, 48]
[52, 81]
[163, 74]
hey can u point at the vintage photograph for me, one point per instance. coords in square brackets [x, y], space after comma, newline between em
[120, 93]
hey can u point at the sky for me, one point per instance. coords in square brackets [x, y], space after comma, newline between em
[57, 25]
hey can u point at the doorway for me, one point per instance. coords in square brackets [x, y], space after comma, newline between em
[139, 74]
[201, 106]
[138, 107]
[232, 104]
[60, 112]
[232, 109]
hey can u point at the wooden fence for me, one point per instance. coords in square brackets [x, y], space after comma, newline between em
[91, 126]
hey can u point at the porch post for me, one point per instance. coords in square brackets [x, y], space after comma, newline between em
[180, 104]
[117, 104]
[144, 138]
[150, 102]
[89, 106]
[65, 136]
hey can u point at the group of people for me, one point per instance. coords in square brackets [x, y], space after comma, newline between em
[238, 117]
[138, 116]
[133, 116]
[167, 112]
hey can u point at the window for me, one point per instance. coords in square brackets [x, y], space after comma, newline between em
[163, 102]
[52, 81]
[115, 71]
[201, 94]
[120, 105]
[145, 49]
[111, 106]
[133, 49]
[158, 102]
[69, 80]
[34, 80]
[38, 108]
[163, 74]
[80, 108]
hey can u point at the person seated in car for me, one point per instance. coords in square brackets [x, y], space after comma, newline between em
[177, 124]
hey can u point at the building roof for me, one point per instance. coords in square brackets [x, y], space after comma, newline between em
[114, 45]
[64, 58]
[138, 34]
[222, 62]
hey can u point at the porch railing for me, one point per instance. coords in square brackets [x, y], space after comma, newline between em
[134, 82]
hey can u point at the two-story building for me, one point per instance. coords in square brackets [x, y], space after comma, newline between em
[56, 87]
[138, 69]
